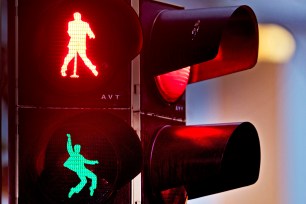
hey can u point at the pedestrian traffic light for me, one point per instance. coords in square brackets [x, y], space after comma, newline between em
[184, 46]
[76, 53]
[75, 143]
[73, 156]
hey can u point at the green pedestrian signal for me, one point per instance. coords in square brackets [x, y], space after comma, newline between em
[76, 162]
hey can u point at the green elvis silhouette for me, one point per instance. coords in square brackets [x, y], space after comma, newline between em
[76, 162]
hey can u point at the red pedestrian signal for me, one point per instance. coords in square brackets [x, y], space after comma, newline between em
[78, 31]
[76, 53]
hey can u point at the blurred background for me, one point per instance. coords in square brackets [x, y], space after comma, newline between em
[4, 100]
[272, 96]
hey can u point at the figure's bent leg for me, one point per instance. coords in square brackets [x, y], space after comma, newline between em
[67, 59]
[93, 178]
[87, 62]
[79, 187]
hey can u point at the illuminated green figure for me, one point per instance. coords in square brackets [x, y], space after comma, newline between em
[76, 162]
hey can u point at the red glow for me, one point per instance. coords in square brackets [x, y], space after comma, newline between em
[78, 30]
[219, 56]
[172, 85]
[221, 65]
[238, 48]
[204, 131]
[204, 135]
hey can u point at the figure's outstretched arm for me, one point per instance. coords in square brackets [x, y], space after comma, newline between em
[69, 144]
[91, 162]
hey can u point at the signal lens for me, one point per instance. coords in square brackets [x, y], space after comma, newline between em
[172, 85]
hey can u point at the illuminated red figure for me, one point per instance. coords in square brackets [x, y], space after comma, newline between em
[78, 31]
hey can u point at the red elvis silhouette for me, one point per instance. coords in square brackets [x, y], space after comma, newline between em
[78, 31]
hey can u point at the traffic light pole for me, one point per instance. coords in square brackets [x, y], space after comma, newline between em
[12, 115]
[135, 112]
[136, 124]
